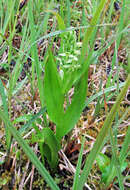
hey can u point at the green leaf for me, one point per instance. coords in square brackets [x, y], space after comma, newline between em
[125, 146]
[102, 135]
[3, 96]
[29, 152]
[22, 118]
[51, 146]
[67, 80]
[5, 106]
[103, 161]
[98, 104]
[28, 125]
[61, 24]
[74, 110]
[109, 172]
[78, 167]
[89, 36]
[52, 91]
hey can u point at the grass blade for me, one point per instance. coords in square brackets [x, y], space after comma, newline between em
[29, 123]
[5, 106]
[68, 14]
[125, 146]
[28, 151]
[76, 177]
[101, 137]
[109, 89]
[116, 162]
[34, 55]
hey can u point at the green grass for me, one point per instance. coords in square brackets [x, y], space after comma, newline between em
[49, 36]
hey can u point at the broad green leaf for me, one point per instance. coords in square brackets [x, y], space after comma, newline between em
[103, 161]
[67, 81]
[51, 146]
[52, 91]
[109, 172]
[74, 110]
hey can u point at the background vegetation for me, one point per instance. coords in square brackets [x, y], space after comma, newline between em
[64, 94]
